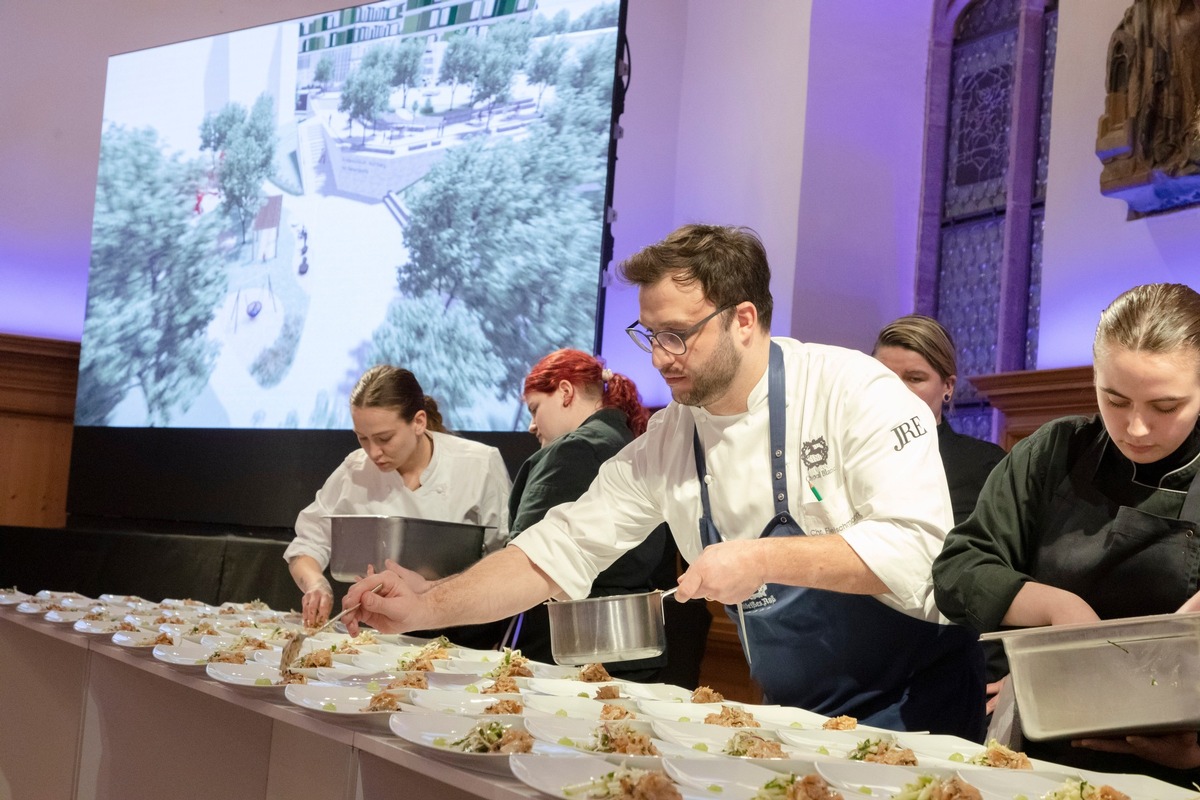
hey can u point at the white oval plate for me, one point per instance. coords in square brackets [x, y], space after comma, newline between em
[354, 676]
[66, 616]
[194, 607]
[684, 712]
[274, 635]
[121, 599]
[562, 687]
[709, 739]
[796, 718]
[32, 606]
[663, 692]
[834, 744]
[579, 734]
[143, 637]
[952, 752]
[272, 656]
[574, 707]
[554, 671]
[553, 775]
[433, 732]
[458, 702]
[389, 660]
[1008, 783]
[346, 703]
[46, 594]
[14, 597]
[724, 776]
[183, 654]
[246, 676]
[878, 780]
[108, 626]
[76, 601]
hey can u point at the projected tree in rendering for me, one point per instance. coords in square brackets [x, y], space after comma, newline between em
[365, 94]
[501, 55]
[246, 144]
[445, 349]
[504, 231]
[460, 64]
[406, 66]
[154, 282]
[545, 65]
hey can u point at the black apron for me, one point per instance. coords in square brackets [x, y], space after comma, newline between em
[1123, 562]
[837, 653]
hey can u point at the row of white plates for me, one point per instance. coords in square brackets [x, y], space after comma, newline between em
[558, 710]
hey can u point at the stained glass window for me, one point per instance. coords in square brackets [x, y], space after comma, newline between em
[980, 19]
[978, 243]
[969, 295]
[1050, 41]
[980, 119]
[1035, 288]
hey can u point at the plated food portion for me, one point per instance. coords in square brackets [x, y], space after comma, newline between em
[566, 731]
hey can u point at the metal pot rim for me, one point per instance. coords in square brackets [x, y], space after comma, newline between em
[607, 597]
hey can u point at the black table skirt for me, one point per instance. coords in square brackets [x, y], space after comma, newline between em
[210, 568]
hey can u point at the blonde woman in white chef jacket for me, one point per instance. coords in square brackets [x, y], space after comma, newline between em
[407, 465]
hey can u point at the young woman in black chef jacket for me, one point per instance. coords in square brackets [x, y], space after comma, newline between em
[1095, 518]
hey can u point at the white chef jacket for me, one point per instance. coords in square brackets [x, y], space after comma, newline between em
[855, 434]
[465, 481]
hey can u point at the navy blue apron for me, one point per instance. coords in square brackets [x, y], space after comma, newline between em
[837, 653]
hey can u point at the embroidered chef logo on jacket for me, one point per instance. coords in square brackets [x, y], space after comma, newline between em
[907, 431]
[814, 453]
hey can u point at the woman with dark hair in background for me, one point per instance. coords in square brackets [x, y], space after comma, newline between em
[408, 465]
[919, 350]
[1094, 518]
[583, 414]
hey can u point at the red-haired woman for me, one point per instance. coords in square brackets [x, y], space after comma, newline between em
[583, 414]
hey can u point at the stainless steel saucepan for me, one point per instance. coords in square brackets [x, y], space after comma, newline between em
[623, 627]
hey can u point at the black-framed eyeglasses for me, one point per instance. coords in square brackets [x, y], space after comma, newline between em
[674, 342]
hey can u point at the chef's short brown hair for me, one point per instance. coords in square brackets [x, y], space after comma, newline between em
[729, 263]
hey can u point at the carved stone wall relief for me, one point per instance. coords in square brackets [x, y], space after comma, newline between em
[1149, 134]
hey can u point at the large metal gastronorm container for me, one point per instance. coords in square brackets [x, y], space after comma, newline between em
[1110, 677]
[432, 548]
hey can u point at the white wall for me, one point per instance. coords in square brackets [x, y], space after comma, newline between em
[1091, 253]
[855, 261]
[644, 191]
[714, 132]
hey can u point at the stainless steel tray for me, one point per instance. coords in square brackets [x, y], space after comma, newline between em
[433, 548]
[1115, 676]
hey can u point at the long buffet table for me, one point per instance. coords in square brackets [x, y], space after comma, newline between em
[83, 718]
